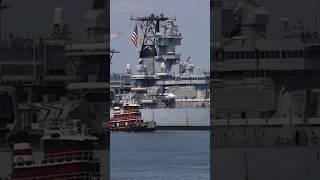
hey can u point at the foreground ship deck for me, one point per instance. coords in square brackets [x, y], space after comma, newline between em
[67, 155]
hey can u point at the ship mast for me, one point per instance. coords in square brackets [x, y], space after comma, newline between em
[149, 25]
[316, 17]
[112, 52]
[2, 6]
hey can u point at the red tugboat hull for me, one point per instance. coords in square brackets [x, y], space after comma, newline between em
[129, 120]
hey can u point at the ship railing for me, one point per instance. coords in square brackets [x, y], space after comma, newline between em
[137, 122]
[266, 142]
[68, 156]
[126, 120]
[262, 121]
[123, 126]
[132, 112]
[254, 143]
[5, 178]
[131, 109]
[66, 176]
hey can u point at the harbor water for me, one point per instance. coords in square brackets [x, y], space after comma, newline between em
[160, 155]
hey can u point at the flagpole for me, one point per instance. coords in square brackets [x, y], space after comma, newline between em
[137, 51]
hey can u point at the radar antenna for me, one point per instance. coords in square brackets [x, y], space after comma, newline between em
[112, 52]
[149, 26]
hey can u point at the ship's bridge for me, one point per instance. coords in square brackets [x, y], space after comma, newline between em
[87, 49]
[268, 54]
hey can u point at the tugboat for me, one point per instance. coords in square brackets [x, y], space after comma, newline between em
[68, 154]
[129, 119]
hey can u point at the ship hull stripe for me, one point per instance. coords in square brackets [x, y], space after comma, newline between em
[52, 169]
[22, 152]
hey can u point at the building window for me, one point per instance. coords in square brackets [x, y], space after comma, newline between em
[267, 54]
[252, 55]
[232, 55]
[283, 54]
[237, 55]
[226, 55]
[300, 53]
[242, 56]
[277, 54]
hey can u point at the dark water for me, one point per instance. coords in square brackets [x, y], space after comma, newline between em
[161, 155]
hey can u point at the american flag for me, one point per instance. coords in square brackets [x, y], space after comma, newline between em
[134, 36]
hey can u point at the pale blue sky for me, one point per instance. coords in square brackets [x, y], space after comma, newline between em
[192, 18]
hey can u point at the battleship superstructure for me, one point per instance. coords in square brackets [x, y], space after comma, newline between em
[53, 79]
[60, 65]
[163, 83]
[162, 78]
[265, 113]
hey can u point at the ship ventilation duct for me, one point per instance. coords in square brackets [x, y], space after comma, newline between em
[163, 67]
[58, 15]
[128, 69]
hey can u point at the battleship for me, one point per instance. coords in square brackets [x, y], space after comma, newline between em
[265, 89]
[53, 89]
[170, 90]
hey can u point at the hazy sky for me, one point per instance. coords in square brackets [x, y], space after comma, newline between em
[192, 18]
